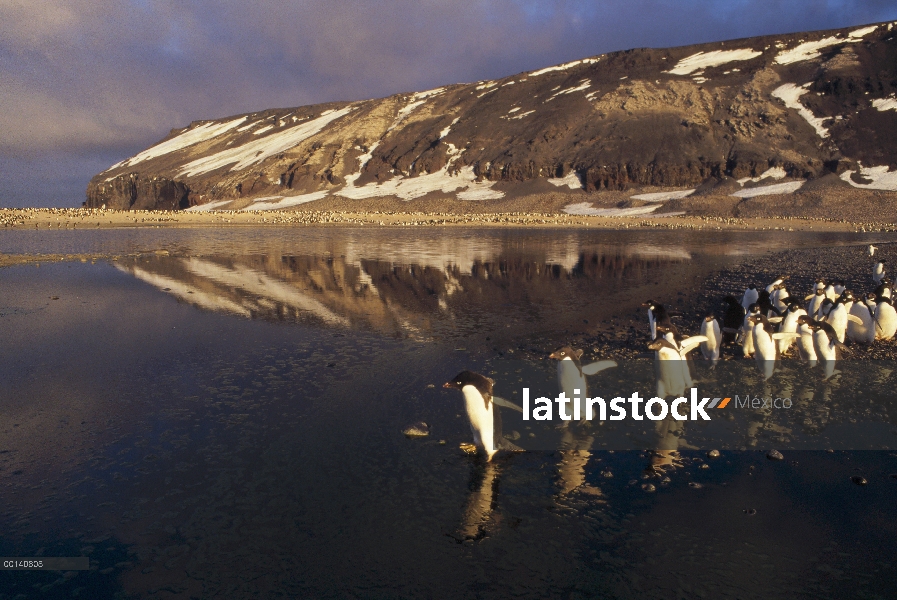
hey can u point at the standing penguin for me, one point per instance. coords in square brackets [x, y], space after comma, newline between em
[864, 331]
[747, 330]
[885, 319]
[806, 348]
[840, 315]
[572, 376]
[825, 342]
[482, 412]
[779, 298]
[733, 318]
[657, 315]
[789, 325]
[750, 296]
[884, 288]
[878, 271]
[872, 250]
[671, 366]
[815, 302]
[779, 281]
[710, 330]
[765, 339]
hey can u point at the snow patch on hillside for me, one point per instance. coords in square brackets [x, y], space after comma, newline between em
[790, 94]
[766, 190]
[881, 177]
[811, 50]
[256, 151]
[409, 188]
[200, 133]
[703, 60]
[281, 202]
[583, 85]
[571, 181]
[773, 173]
[662, 196]
[564, 67]
[209, 206]
[585, 209]
[884, 104]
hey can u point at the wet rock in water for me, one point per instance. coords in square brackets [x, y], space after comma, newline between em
[607, 474]
[513, 435]
[774, 455]
[859, 480]
[695, 485]
[893, 475]
[704, 466]
[419, 429]
[713, 454]
[649, 487]
[750, 511]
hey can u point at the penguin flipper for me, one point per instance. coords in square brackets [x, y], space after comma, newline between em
[785, 336]
[506, 403]
[690, 343]
[597, 367]
[775, 319]
[854, 319]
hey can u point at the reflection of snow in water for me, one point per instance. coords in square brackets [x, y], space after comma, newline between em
[187, 292]
[441, 254]
[263, 286]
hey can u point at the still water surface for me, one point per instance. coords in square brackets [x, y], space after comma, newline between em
[218, 413]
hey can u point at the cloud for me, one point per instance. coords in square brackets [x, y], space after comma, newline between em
[106, 76]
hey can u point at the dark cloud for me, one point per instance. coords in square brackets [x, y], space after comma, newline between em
[86, 80]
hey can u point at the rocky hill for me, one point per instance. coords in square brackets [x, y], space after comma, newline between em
[727, 118]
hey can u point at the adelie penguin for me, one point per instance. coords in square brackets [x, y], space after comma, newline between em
[885, 319]
[750, 296]
[825, 343]
[710, 329]
[673, 377]
[789, 325]
[765, 339]
[482, 412]
[572, 375]
[864, 330]
[878, 271]
[657, 315]
[733, 319]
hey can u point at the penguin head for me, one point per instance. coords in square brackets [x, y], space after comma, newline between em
[752, 287]
[756, 318]
[650, 304]
[808, 321]
[566, 353]
[846, 296]
[820, 291]
[793, 305]
[754, 309]
[482, 383]
[710, 317]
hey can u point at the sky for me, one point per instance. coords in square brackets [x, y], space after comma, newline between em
[87, 83]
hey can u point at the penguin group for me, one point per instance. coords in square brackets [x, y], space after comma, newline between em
[772, 322]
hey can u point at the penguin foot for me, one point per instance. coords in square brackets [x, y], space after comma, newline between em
[467, 448]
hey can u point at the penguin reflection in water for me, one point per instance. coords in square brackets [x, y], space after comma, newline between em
[482, 412]
[485, 424]
[576, 444]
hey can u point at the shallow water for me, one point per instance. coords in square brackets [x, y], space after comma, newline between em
[224, 420]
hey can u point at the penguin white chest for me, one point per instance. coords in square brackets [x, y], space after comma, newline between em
[481, 418]
[885, 321]
[572, 382]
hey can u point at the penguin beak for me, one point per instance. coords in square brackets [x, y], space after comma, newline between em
[554, 355]
[447, 385]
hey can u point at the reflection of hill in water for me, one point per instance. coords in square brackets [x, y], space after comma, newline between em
[399, 296]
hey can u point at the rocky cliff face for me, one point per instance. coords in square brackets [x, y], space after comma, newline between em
[798, 106]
